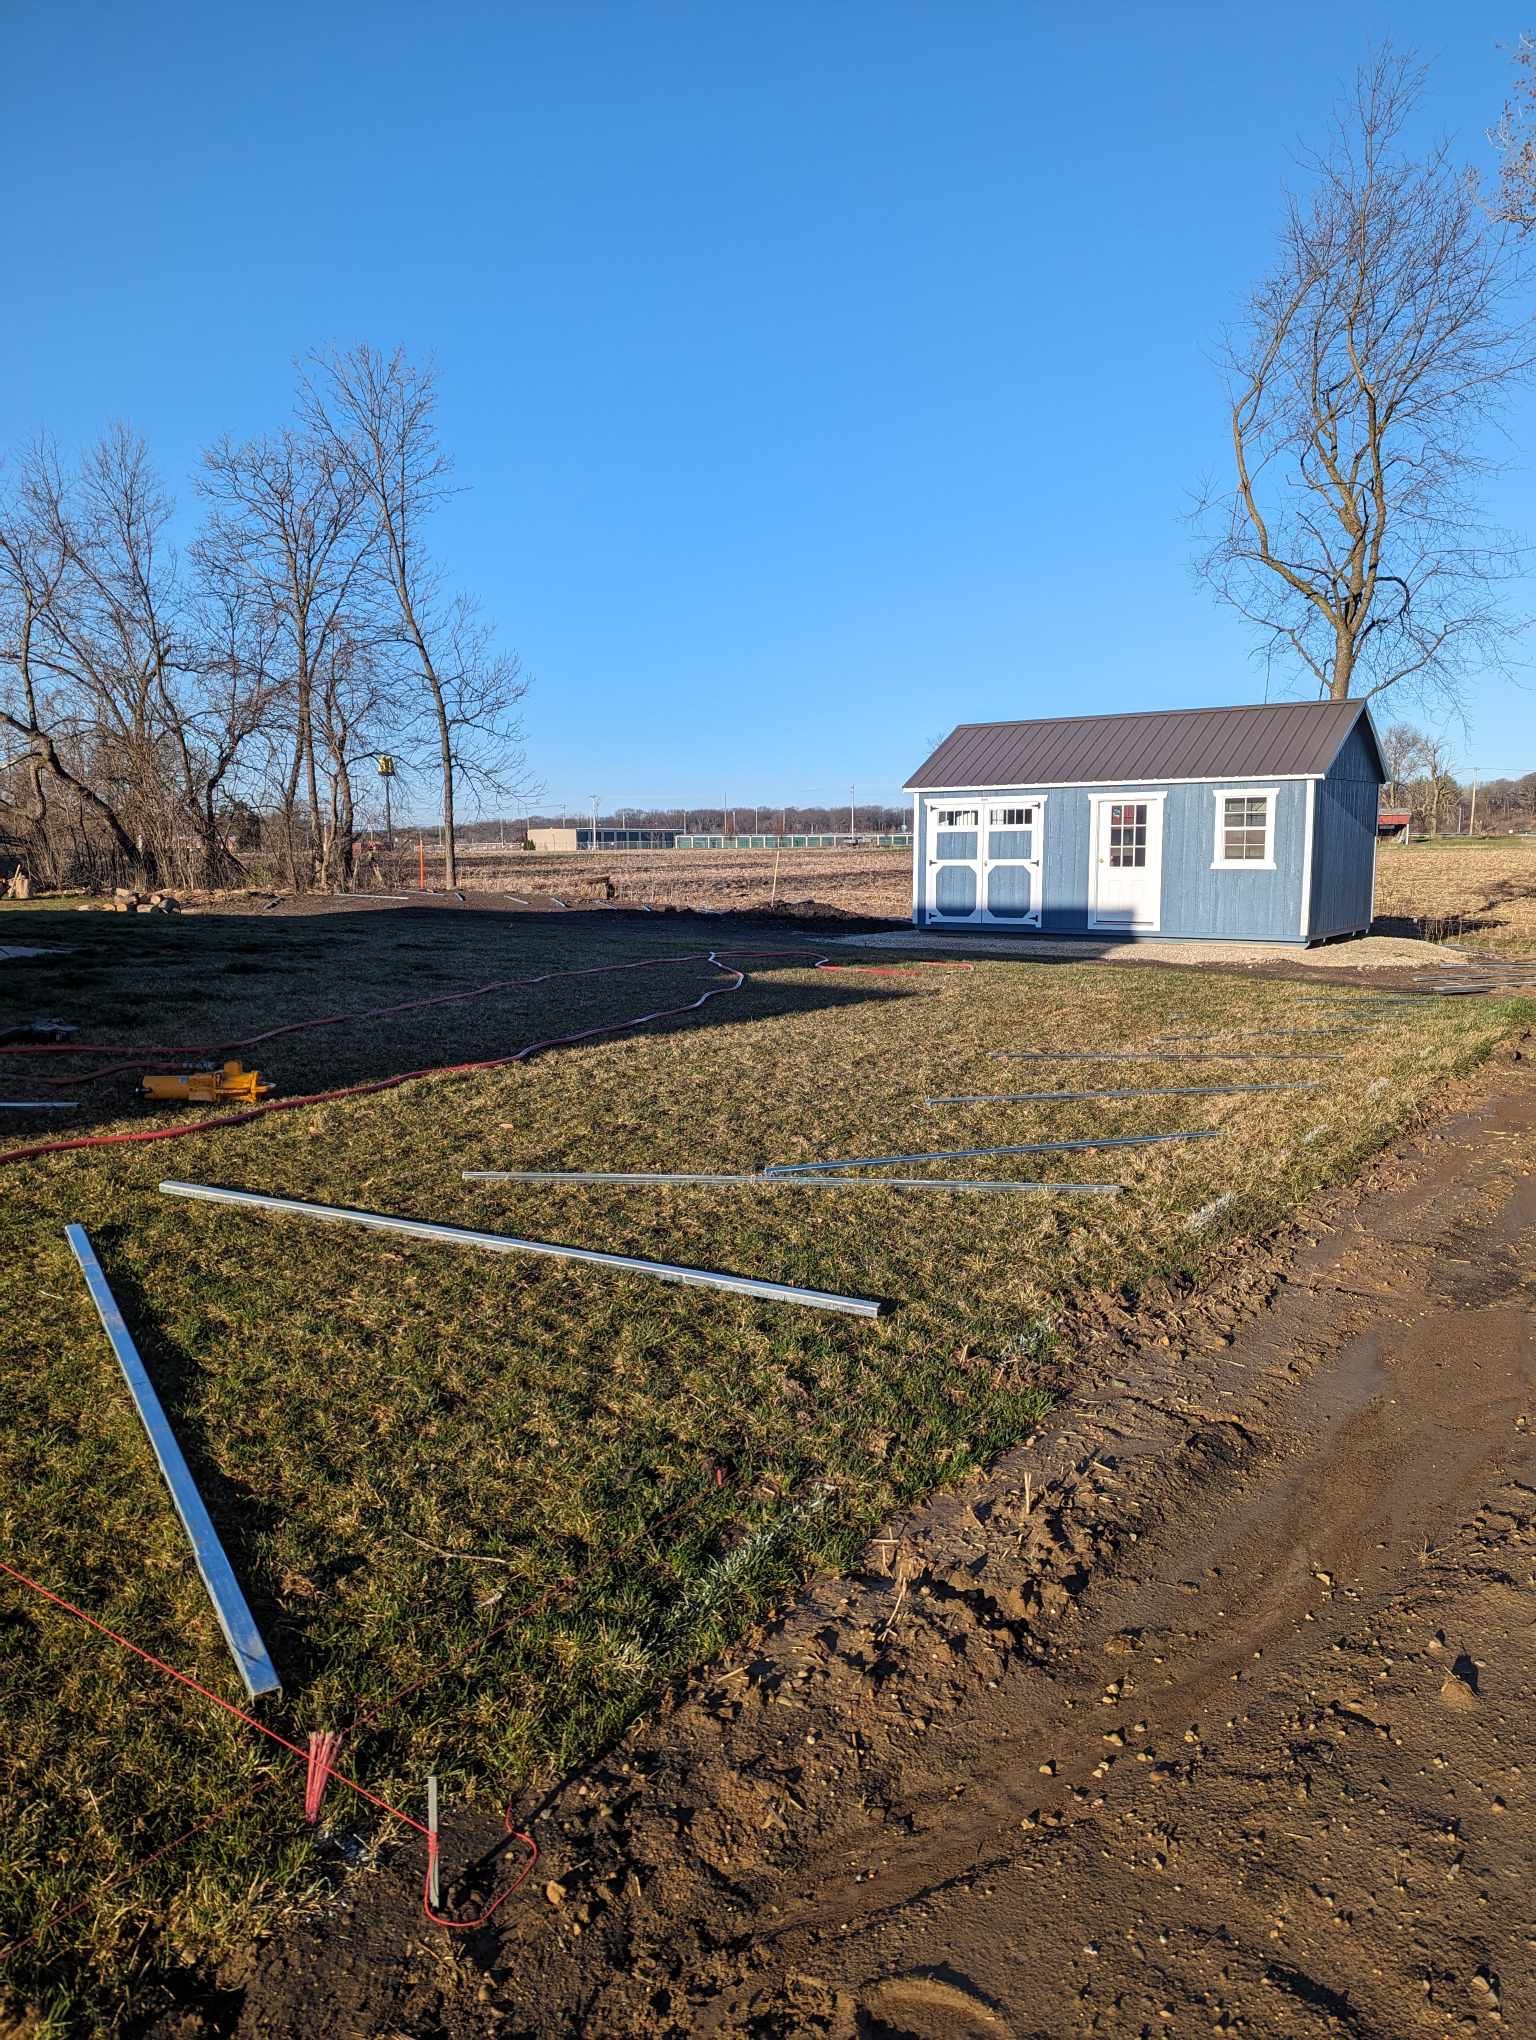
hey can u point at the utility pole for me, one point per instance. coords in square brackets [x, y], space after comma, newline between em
[850, 814]
[1472, 819]
[593, 844]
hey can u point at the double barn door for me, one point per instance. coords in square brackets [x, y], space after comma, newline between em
[985, 860]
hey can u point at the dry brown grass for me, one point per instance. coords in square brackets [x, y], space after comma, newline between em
[874, 882]
[1481, 893]
[355, 1406]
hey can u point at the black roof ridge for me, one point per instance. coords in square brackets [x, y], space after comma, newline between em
[1018, 722]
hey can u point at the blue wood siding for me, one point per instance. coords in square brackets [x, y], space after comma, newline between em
[1197, 901]
[1344, 840]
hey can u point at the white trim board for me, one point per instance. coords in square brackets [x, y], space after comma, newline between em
[1058, 785]
[1306, 861]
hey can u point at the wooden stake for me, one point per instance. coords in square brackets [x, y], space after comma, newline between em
[432, 1883]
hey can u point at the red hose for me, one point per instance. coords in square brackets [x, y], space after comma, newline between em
[532, 1048]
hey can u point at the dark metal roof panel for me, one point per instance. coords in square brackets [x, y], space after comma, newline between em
[1275, 739]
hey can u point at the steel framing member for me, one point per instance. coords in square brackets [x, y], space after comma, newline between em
[257, 1672]
[1163, 1091]
[787, 1182]
[1056, 1055]
[508, 1243]
[1031, 1147]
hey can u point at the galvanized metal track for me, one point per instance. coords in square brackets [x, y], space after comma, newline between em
[1094, 1055]
[1163, 1091]
[508, 1243]
[257, 1672]
[787, 1182]
[1032, 1147]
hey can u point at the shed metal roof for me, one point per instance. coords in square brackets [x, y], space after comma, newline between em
[1278, 739]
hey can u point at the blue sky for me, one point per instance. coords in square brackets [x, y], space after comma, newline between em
[819, 374]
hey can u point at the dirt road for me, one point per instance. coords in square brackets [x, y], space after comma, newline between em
[1207, 1712]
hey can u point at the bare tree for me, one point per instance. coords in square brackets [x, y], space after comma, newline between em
[1402, 748]
[38, 703]
[1515, 140]
[156, 706]
[378, 412]
[290, 528]
[1436, 789]
[1366, 366]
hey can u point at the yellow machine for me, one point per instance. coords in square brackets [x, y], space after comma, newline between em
[209, 1087]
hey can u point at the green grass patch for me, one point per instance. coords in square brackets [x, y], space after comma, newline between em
[403, 1444]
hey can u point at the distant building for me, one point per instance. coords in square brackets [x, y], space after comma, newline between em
[1240, 824]
[900, 841]
[601, 839]
[1394, 823]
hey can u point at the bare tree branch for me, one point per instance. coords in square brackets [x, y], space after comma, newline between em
[1361, 379]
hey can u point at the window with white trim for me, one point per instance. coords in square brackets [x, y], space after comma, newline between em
[1245, 828]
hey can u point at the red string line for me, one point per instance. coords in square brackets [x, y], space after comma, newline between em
[361, 1719]
[140, 1135]
[207, 1692]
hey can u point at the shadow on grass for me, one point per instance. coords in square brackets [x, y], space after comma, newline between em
[203, 984]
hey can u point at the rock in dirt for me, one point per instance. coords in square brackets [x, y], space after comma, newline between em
[1457, 1694]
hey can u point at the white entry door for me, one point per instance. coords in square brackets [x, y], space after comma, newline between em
[1126, 887]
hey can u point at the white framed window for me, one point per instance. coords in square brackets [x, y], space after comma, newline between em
[955, 818]
[1245, 828]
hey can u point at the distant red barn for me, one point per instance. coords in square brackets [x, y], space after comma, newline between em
[1393, 822]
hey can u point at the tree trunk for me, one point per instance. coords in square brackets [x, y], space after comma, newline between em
[1343, 663]
[445, 746]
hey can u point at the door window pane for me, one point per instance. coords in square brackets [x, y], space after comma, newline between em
[1128, 835]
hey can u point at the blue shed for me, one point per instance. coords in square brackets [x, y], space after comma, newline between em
[1252, 824]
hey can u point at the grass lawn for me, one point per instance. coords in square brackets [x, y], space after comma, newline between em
[403, 1444]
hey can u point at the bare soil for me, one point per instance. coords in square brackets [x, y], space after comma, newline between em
[1205, 1711]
